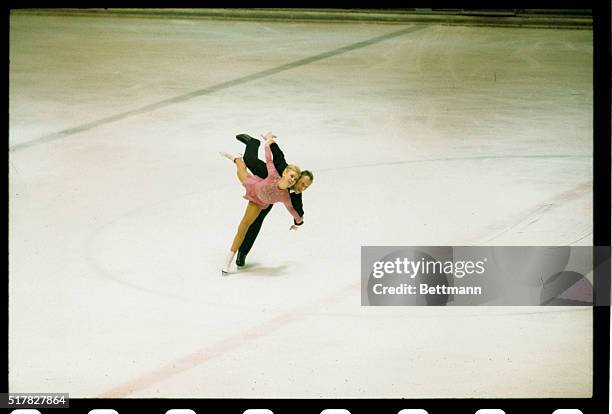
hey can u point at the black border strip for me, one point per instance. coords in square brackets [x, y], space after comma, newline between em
[601, 199]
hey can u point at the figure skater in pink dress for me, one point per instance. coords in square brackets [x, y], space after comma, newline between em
[261, 193]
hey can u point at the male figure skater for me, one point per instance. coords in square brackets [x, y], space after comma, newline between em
[258, 167]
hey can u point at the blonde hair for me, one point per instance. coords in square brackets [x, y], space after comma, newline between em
[294, 168]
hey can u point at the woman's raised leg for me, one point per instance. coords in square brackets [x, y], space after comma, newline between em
[241, 168]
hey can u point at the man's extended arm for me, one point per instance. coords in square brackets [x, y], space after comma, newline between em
[296, 201]
[278, 158]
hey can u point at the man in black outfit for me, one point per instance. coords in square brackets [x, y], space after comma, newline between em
[258, 167]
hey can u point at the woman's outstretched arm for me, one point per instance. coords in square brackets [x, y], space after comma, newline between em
[291, 210]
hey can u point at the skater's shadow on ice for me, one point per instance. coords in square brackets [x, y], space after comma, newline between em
[254, 269]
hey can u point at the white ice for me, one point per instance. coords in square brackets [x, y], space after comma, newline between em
[440, 136]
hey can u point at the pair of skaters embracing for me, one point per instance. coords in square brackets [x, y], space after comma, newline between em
[272, 181]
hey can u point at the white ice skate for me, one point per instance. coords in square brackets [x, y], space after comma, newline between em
[228, 262]
[229, 156]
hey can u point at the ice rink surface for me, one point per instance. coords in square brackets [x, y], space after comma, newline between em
[122, 211]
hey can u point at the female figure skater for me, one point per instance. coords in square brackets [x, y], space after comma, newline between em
[261, 193]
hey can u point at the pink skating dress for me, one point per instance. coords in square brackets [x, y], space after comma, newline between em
[265, 191]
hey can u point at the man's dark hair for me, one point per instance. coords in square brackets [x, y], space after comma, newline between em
[308, 174]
